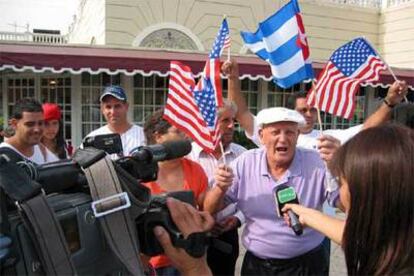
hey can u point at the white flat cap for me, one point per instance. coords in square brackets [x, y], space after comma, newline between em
[279, 114]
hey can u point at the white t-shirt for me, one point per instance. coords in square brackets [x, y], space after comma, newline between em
[310, 140]
[37, 156]
[132, 138]
[50, 156]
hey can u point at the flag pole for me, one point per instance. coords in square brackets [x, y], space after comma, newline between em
[392, 74]
[228, 48]
[388, 67]
[317, 107]
[222, 153]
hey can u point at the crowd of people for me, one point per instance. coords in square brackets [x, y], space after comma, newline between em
[366, 171]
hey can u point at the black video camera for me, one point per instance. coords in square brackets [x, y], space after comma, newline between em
[65, 184]
[142, 165]
[158, 214]
[110, 143]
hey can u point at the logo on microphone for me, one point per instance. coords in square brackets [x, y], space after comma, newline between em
[286, 195]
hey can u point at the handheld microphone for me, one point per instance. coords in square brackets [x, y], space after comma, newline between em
[283, 195]
[161, 152]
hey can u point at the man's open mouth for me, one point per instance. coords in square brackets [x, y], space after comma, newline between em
[281, 149]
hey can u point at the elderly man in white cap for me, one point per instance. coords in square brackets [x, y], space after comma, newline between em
[251, 182]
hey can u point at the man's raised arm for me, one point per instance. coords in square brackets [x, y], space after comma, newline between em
[244, 116]
[395, 95]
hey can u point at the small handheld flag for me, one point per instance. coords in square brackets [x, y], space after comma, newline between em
[349, 66]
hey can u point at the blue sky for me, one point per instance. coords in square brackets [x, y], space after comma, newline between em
[39, 14]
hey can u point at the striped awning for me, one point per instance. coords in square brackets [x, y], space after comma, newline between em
[21, 57]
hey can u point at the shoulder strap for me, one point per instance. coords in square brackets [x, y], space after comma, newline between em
[38, 217]
[13, 156]
[110, 205]
[45, 230]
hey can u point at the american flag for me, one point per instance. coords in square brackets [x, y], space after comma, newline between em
[227, 39]
[349, 66]
[193, 108]
[212, 67]
[181, 108]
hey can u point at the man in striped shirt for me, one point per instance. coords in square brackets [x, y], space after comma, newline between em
[229, 219]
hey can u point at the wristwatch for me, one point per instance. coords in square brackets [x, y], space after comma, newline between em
[387, 103]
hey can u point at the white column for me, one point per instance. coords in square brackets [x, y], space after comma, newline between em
[37, 84]
[76, 110]
[371, 103]
[262, 95]
[128, 85]
[5, 99]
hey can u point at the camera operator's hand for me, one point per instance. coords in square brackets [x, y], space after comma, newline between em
[188, 220]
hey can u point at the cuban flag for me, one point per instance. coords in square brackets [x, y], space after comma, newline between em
[281, 41]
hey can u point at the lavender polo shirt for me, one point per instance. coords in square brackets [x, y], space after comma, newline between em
[266, 235]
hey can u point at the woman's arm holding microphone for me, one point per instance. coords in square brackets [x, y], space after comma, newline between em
[331, 227]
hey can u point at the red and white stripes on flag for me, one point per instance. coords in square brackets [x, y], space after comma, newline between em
[212, 71]
[351, 64]
[335, 92]
[227, 42]
[181, 109]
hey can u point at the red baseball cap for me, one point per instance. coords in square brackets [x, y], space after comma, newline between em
[51, 111]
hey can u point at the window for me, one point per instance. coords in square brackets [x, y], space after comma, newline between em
[278, 96]
[91, 89]
[2, 123]
[168, 39]
[250, 90]
[150, 94]
[18, 88]
[333, 122]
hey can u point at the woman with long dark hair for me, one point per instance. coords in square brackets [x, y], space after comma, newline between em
[376, 175]
[53, 139]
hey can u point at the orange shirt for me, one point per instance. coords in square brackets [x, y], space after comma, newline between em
[195, 180]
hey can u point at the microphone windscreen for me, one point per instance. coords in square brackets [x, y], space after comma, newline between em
[284, 194]
[176, 149]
